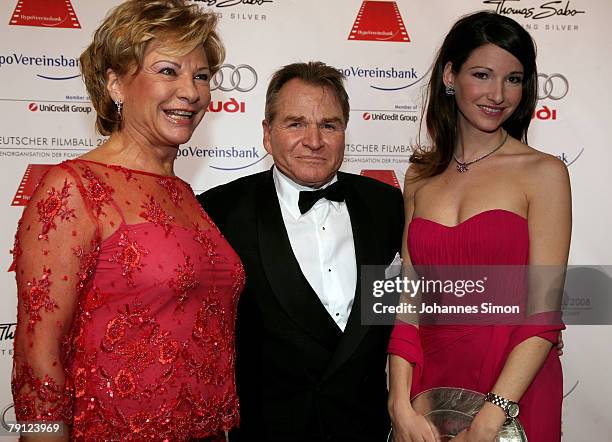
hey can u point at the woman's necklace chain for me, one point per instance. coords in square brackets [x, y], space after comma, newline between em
[462, 167]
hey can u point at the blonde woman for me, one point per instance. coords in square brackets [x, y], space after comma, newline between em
[127, 291]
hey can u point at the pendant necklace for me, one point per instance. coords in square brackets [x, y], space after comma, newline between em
[462, 167]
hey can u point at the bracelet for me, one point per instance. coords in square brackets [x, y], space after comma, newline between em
[511, 409]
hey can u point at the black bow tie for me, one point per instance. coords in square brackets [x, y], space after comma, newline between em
[308, 198]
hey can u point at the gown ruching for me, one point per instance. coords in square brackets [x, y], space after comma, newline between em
[472, 356]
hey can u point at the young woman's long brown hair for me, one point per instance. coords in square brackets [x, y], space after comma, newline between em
[467, 34]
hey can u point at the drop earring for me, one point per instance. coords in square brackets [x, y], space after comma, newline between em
[119, 105]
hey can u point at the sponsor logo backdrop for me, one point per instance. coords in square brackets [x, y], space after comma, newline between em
[385, 49]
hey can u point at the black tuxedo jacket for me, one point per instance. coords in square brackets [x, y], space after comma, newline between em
[299, 377]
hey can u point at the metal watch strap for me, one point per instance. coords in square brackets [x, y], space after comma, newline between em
[502, 403]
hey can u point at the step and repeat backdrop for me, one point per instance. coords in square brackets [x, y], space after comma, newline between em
[385, 49]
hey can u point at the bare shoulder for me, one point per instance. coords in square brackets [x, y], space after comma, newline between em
[413, 181]
[542, 172]
[546, 169]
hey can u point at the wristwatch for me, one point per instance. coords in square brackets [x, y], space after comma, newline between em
[510, 408]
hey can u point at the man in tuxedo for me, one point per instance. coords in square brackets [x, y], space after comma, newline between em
[307, 369]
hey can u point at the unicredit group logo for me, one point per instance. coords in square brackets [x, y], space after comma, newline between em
[379, 21]
[35, 107]
[45, 13]
[389, 116]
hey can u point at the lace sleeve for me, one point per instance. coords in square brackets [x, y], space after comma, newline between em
[55, 232]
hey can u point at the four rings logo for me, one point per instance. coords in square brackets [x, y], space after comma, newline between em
[241, 78]
[7, 414]
[552, 86]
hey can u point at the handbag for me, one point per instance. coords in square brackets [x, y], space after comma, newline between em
[449, 411]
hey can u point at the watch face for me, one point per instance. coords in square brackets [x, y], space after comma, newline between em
[513, 410]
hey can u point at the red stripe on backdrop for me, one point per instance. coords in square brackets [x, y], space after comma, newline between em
[31, 177]
[386, 176]
[379, 21]
[45, 13]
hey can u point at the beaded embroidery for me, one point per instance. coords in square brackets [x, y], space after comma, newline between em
[129, 257]
[87, 263]
[127, 172]
[184, 282]
[209, 246]
[37, 399]
[36, 297]
[56, 205]
[155, 214]
[175, 193]
[98, 192]
[16, 251]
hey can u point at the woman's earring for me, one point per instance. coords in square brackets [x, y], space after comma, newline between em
[119, 105]
[449, 90]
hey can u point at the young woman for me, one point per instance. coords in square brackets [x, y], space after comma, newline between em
[482, 196]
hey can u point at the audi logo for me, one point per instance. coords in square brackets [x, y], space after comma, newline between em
[3, 416]
[241, 78]
[553, 86]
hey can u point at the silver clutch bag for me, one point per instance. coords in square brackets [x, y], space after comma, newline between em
[451, 410]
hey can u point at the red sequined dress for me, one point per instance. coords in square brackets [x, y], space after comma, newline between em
[127, 301]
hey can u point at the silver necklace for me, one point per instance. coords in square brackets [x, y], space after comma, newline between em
[462, 167]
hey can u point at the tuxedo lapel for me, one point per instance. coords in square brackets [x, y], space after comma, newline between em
[366, 252]
[283, 272]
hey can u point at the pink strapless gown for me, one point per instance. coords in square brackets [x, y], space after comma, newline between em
[472, 357]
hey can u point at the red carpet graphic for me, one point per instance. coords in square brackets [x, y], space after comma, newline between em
[379, 21]
[386, 176]
[45, 13]
[30, 179]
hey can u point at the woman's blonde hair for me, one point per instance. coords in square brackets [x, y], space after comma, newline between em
[120, 42]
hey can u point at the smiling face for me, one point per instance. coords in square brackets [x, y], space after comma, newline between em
[165, 100]
[306, 137]
[488, 88]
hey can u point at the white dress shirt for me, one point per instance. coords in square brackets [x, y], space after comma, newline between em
[322, 242]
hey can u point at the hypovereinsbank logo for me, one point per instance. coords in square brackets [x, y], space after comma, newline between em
[42, 61]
